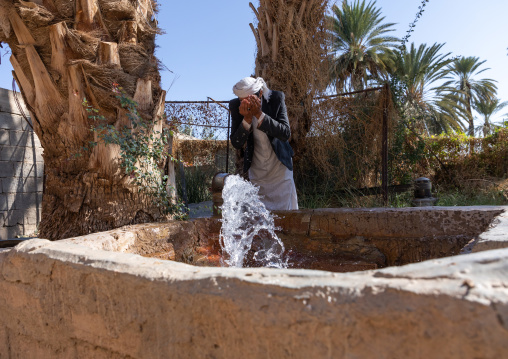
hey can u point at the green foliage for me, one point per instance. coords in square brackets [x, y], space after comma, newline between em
[463, 88]
[142, 151]
[487, 107]
[417, 69]
[360, 46]
[407, 150]
[198, 180]
[460, 197]
[446, 197]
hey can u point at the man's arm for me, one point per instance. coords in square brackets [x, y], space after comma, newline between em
[279, 126]
[239, 134]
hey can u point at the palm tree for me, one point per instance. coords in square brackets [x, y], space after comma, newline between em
[290, 52]
[446, 115]
[488, 107]
[78, 49]
[418, 69]
[462, 84]
[359, 44]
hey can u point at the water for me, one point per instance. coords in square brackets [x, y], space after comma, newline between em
[248, 232]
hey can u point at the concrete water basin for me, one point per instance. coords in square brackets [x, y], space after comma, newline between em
[151, 291]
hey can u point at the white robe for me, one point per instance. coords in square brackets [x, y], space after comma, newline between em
[275, 181]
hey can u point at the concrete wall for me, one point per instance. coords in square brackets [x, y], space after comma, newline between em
[77, 298]
[21, 171]
[63, 300]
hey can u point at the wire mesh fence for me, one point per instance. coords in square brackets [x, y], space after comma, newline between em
[346, 146]
[202, 130]
[200, 143]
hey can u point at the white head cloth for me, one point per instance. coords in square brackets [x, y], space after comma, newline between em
[249, 86]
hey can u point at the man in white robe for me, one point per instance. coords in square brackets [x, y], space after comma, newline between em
[260, 123]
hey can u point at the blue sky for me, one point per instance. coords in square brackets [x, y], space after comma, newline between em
[208, 45]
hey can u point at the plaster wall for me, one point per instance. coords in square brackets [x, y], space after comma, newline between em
[62, 300]
[21, 171]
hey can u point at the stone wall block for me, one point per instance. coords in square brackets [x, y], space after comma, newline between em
[14, 217]
[413, 224]
[28, 169]
[31, 222]
[20, 138]
[25, 126]
[18, 184]
[7, 169]
[19, 200]
[346, 225]
[11, 232]
[389, 223]
[319, 224]
[294, 222]
[496, 236]
[4, 203]
[7, 103]
[21, 154]
[373, 223]
[435, 219]
[21, 170]
[12, 153]
[4, 137]
[24, 200]
[337, 223]
[57, 297]
[36, 142]
[9, 121]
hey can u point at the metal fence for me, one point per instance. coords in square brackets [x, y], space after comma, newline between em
[203, 129]
[205, 126]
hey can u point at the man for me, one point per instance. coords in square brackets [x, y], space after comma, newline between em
[259, 118]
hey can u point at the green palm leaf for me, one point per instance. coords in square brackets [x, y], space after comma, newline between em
[359, 44]
[462, 83]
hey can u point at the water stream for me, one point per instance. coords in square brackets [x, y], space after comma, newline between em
[248, 236]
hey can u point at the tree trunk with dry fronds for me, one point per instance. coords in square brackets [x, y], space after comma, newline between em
[290, 37]
[62, 52]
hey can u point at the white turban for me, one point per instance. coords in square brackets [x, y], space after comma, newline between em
[249, 86]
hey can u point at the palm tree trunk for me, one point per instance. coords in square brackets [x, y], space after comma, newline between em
[63, 52]
[486, 127]
[290, 38]
[470, 118]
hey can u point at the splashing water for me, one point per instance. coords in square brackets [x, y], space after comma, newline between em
[248, 230]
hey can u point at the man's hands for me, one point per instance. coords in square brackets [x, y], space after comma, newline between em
[250, 106]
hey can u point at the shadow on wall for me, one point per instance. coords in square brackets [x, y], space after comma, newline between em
[21, 171]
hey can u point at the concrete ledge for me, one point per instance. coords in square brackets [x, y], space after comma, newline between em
[496, 236]
[391, 222]
[64, 300]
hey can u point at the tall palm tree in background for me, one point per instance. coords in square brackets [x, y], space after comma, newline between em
[464, 89]
[418, 69]
[488, 107]
[359, 44]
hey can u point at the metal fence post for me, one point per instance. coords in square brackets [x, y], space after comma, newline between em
[384, 147]
[227, 142]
